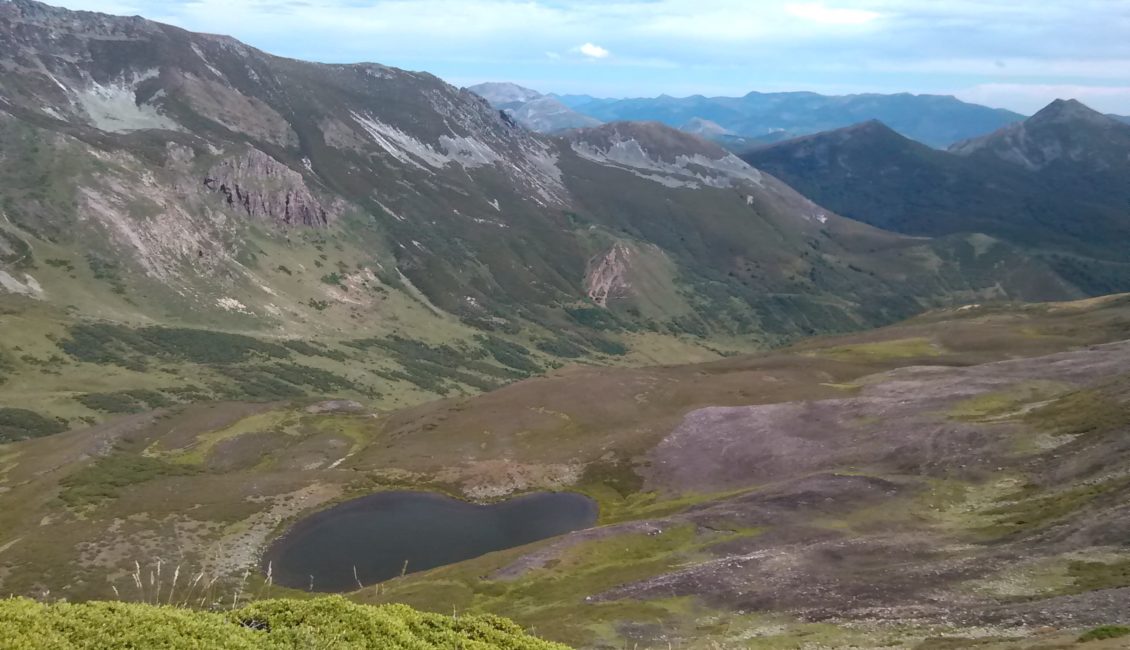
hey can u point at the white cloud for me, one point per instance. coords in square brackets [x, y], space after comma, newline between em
[593, 51]
[817, 12]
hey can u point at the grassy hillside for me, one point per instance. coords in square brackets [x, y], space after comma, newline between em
[266, 624]
[71, 372]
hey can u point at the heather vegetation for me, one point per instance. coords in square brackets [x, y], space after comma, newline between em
[19, 424]
[264, 625]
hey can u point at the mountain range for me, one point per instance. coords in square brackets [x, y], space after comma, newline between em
[741, 122]
[1054, 184]
[155, 175]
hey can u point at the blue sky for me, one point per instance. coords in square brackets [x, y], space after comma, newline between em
[1017, 54]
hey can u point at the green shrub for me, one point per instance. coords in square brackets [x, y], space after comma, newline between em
[15, 251]
[21, 424]
[125, 401]
[188, 393]
[205, 346]
[315, 349]
[253, 384]
[330, 622]
[608, 346]
[106, 270]
[1105, 632]
[60, 264]
[116, 344]
[563, 348]
[509, 354]
[430, 367]
[319, 380]
[284, 381]
[594, 318]
[105, 477]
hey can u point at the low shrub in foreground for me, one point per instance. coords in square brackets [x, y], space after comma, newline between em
[331, 622]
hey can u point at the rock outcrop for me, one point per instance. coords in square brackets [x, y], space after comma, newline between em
[608, 276]
[266, 189]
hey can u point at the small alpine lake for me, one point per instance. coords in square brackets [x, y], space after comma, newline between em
[368, 540]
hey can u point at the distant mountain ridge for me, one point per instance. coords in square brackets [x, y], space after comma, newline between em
[1056, 183]
[531, 109]
[935, 120]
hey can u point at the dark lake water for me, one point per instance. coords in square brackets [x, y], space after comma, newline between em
[377, 533]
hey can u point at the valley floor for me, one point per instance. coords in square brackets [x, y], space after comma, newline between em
[954, 481]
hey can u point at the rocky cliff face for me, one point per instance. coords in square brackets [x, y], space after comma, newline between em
[262, 188]
[608, 275]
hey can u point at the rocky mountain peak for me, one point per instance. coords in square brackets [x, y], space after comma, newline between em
[501, 94]
[1065, 130]
[1067, 110]
[870, 126]
[531, 109]
[30, 13]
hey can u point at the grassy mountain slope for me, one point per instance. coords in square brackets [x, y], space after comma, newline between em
[951, 446]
